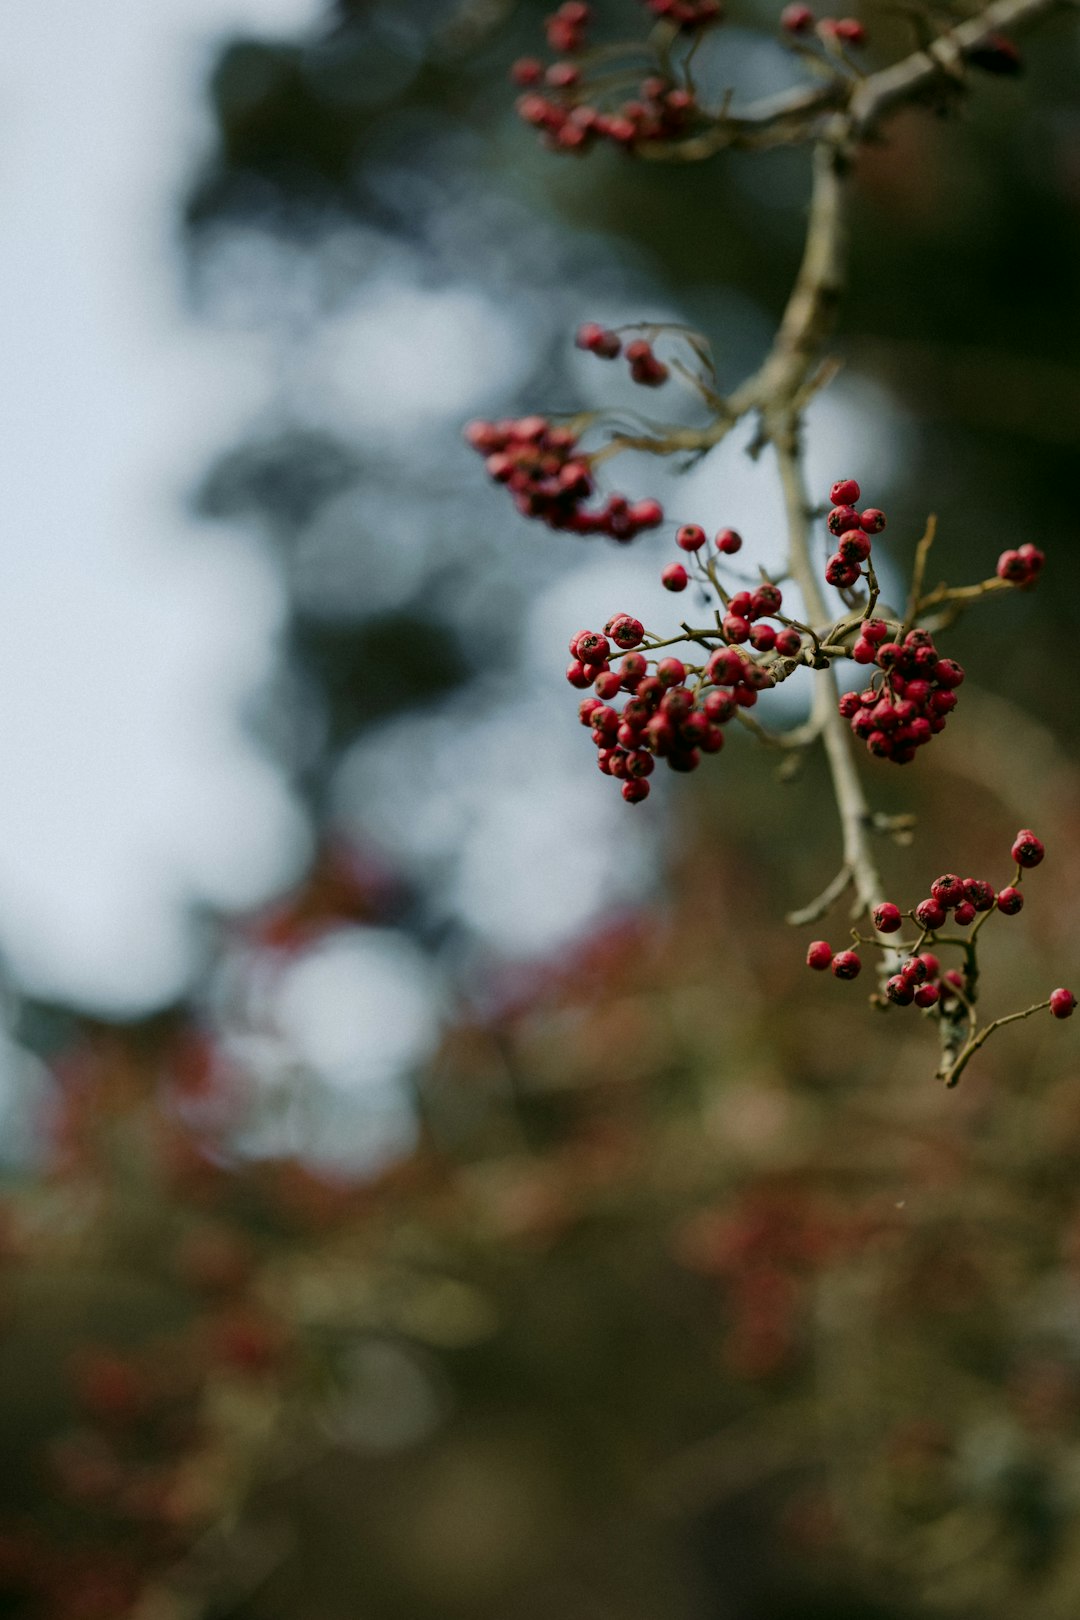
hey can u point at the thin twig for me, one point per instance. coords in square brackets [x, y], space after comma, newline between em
[825, 900]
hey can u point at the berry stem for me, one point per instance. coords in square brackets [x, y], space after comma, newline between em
[952, 1074]
[855, 816]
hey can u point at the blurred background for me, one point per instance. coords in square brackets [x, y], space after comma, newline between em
[430, 1186]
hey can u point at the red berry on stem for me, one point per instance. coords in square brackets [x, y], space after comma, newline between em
[674, 577]
[1062, 1003]
[820, 955]
[846, 965]
[1027, 850]
[842, 518]
[948, 890]
[840, 573]
[1010, 901]
[729, 542]
[671, 671]
[887, 918]
[691, 537]
[929, 914]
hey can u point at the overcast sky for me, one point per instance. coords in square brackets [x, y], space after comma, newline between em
[129, 635]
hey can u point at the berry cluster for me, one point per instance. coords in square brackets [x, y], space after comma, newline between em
[799, 19]
[1022, 566]
[852, 530]
[919, 979]
[645, 368]
[662, 717]
[746, 610]
[550, 478]
[908, 702]
[556, 105]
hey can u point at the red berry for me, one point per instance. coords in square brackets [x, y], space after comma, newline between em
[1027, 850]
[677, 703]
[849, 30]
[788, 643]
[948, 890]
[579, 675]
[979, 893]
[965, 913]
[527, 71]
[625, 632]
[797, 19]
[674, 577]
[846, 965]
[596, 339]
[887, 918]
[854, 546]
[562, 75]
[735, 627]
[1062, 1003]
[646, 514]
[840, 573]
[729, 542]
[1010, 901]
[766, 600]
[900, 990]
[691, 537]
[948, 673]
[1012, 567]
[929, 914]
[863, 652]
[930, 963]
[820, 955]
[725, 667]
[719, 707]
[639, 763]
[845, 492]
[842, 518]
[763, 638]
[590, 647]
[926, 995]
[671, 671]
[609, 684]
[634, 789]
